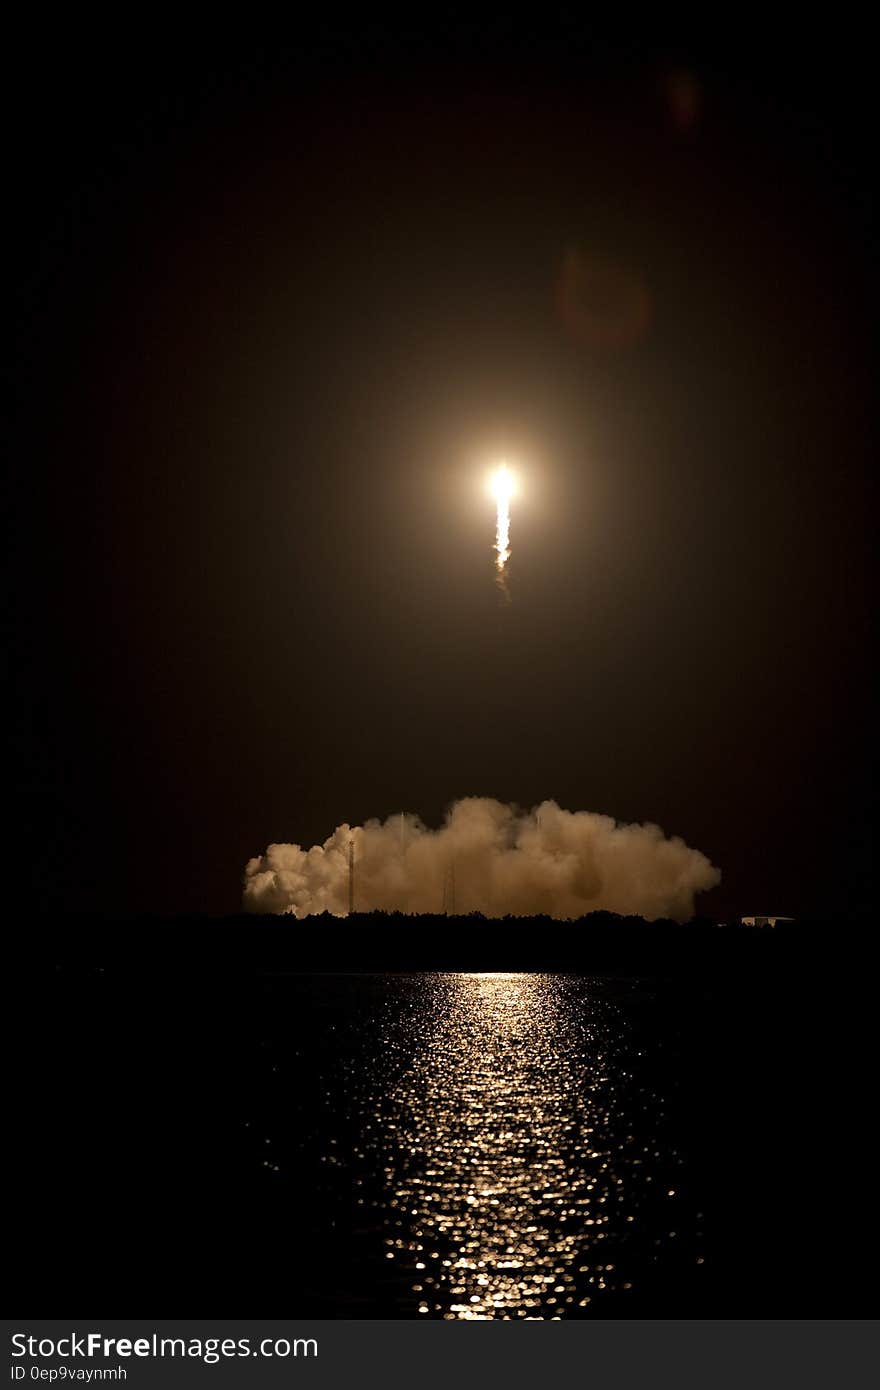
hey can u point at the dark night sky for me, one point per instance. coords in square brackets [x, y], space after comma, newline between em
[280, 307]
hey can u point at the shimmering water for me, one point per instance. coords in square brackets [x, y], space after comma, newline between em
[473, 1146]
[695, 1144]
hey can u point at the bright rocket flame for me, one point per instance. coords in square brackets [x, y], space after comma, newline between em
[503, 488]
[502, 484]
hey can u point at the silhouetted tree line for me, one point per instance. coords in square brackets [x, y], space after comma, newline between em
[378, 941]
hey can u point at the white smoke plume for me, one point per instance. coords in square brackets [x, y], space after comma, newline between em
[488, 858]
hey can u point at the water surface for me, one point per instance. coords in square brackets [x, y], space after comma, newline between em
[471, 1146]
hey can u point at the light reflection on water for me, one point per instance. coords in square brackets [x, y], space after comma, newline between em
[513, 1179]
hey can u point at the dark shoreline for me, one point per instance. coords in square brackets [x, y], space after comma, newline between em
[395, 943]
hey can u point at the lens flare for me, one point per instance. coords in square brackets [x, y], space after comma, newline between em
[502, 487]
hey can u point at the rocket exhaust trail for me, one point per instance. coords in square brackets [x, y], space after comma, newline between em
[502, 490]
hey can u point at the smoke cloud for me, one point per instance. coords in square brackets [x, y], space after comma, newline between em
[488, 858]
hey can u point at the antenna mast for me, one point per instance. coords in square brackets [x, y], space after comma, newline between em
[449, 890]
